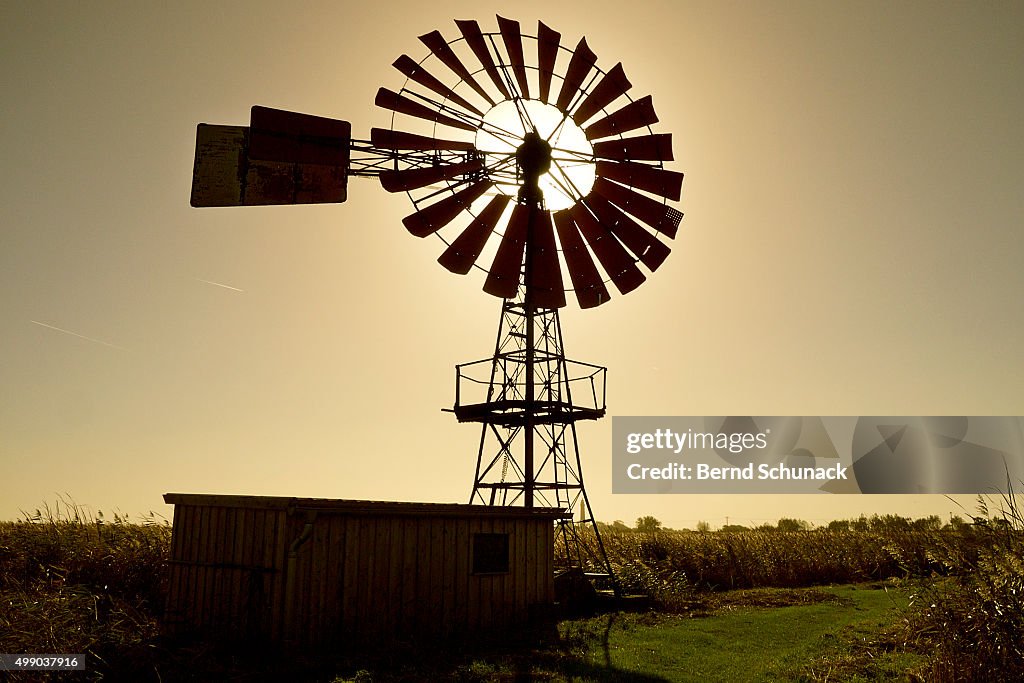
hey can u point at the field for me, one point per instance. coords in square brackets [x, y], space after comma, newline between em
[885, 600]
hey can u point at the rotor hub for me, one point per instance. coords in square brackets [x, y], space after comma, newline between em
[534, 160]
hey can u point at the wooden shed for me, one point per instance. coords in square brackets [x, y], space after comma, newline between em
[310, 572]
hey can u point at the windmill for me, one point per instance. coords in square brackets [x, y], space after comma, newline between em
[533, 166]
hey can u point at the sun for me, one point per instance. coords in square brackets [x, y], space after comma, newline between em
[572, 172]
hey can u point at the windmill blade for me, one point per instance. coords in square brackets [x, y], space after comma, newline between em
[503, 277]
[416, 72]
[544, 281]
[636, 114]
[586, 280]
[431, 219]
[395, 139]
[612, 86]
[582, 62]
[436, 43]
[475, 39]
[614, 258]
[387, 99]
[547, 51]
[645, 246]
[661, 217]
[463, 252]
[513, 40]
[654, 147]
[412, 178]
[664, 183]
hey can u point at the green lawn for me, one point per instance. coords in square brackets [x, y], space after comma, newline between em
[840, 639]
[838, 634]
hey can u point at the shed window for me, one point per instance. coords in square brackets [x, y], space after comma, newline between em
[490, 553]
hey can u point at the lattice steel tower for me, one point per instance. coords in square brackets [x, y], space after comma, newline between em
[528, 399]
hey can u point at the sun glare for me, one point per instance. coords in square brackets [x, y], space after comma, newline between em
[572, 161]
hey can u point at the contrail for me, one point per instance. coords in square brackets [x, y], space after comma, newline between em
[219, 284]
[75, 334]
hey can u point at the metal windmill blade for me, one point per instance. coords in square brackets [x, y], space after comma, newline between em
[614, 138]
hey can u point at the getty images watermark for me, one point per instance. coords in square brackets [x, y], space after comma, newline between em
[742, 454]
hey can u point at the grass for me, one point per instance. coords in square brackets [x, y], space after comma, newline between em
[751, 559]
[753, 635]
[74, 583]
[974, 619]
[801, 636]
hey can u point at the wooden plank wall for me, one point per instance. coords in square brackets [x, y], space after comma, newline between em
[355, 577]
[226, 569]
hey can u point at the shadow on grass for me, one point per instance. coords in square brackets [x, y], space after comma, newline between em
[584, 654]
[572, 661]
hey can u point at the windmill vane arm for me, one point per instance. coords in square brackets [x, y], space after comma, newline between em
[368, 160]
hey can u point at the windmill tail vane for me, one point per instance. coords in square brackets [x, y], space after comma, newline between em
[564, 185]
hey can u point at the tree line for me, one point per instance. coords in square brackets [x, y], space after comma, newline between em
[875, 523]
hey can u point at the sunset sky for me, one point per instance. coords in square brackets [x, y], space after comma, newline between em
[852, 246]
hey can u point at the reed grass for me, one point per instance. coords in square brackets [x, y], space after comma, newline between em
[75, 583]
[973, 620]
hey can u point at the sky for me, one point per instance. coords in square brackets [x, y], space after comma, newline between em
[851, 246]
